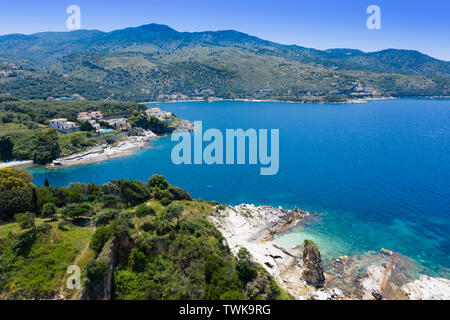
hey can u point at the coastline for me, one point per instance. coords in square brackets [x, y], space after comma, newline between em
[105, 152]
[13, 164]
[349, 101]
[382, 274]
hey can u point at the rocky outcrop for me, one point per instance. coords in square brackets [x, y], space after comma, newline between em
[114, 252]
[427, 288]
[373, 275]
[185, 126]
[99, 286]
[312, 265]
[252, 227]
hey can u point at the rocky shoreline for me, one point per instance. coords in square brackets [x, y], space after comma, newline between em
[105, 151]
[120, 149]
[372, 276]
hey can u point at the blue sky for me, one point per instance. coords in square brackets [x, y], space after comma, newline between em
[322, 24]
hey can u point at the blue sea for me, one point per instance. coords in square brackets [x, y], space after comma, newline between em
[377, 174]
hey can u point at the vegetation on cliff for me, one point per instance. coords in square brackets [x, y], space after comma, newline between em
[132, 240]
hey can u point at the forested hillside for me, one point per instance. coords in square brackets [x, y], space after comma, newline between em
[145, 62]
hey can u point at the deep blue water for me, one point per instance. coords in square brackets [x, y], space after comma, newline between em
[378, 173]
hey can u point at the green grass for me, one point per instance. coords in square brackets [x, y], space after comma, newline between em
[39, 272]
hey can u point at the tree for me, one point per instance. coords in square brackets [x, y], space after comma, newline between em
[179, 194]
[133, 192]
[46, 183]
[15, 192]
[46, 146]
[6, 148]
[246, 270]
[49, 210]
[87, 126]
[158, 181]
[34, 201]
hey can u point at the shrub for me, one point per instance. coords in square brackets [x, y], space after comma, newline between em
[73, 211]
[179, 194]
[165, 201]
[62, 225]
[147, 226]
[137, 260]
[144, 210]
[49, 210]
[247, 272]
[104, 216]
[109, 201]
[173, 211]
[212, 264]
[100, 237]
[25, 220]
[232, 295]
[95, 274]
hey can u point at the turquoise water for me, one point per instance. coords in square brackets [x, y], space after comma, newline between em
[378, 174]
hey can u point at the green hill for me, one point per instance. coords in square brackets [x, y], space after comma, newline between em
[153, 59]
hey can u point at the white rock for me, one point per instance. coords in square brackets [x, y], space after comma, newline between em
[427, 288]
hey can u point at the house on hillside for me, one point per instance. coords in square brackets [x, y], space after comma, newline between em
[64, 126]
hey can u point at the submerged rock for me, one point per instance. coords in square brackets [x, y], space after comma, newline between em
[312, 265]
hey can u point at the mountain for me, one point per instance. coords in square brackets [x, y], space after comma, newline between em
[153, 59]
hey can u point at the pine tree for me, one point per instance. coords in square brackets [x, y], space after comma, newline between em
[46, 183]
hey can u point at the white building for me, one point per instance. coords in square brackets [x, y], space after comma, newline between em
[64, 126]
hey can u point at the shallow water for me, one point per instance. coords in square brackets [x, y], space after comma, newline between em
[378, 173]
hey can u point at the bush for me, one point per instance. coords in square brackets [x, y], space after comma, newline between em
[144, 210]
[232, 295]
[25, 220]
[179, 194]
[104, 216]
[95, 274]
[212, 264]
[100, 237]
[147, 226]
[49, 210]
[137, 260]
[62, 225]
[165, 201]
[73, 211]
[109, 201]
[133, 192]
[173, 211]
[247, 272]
